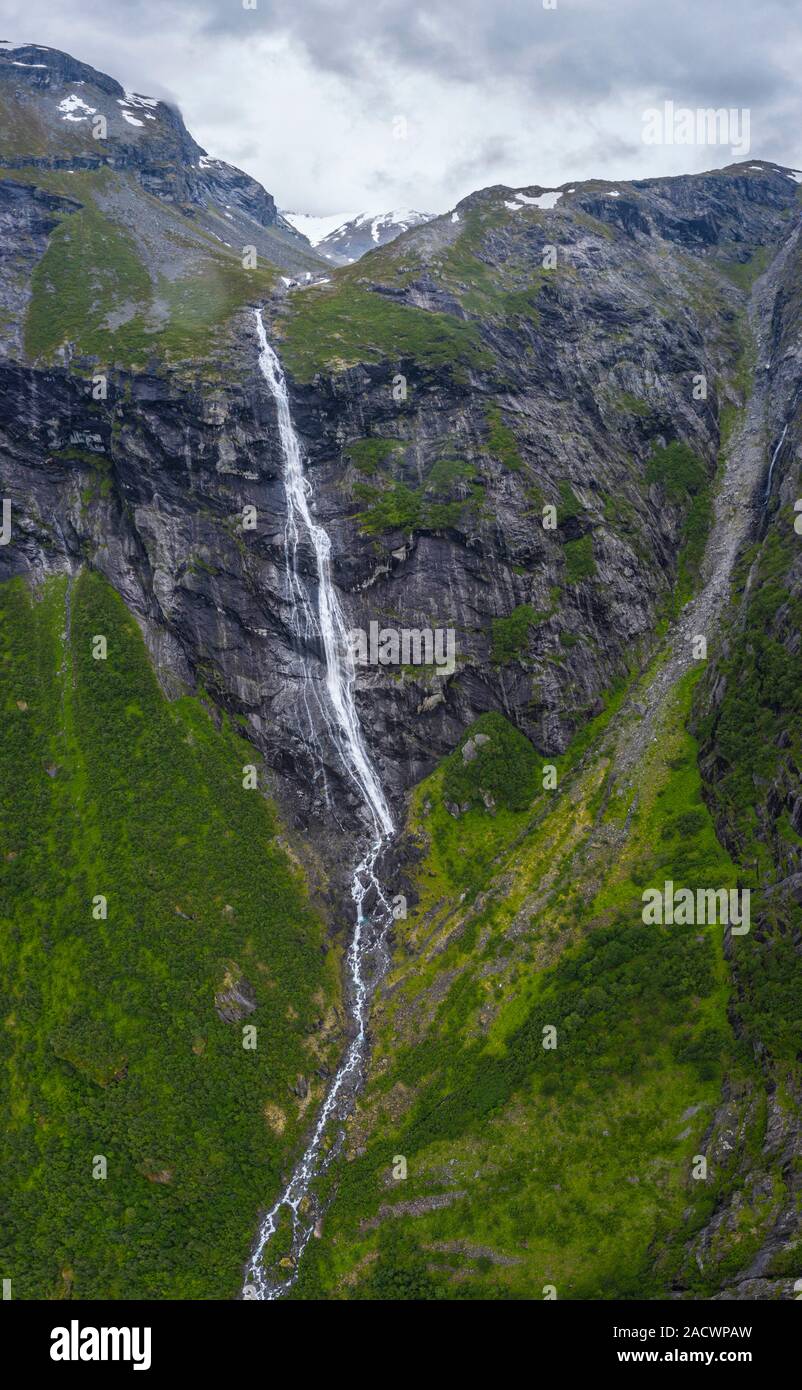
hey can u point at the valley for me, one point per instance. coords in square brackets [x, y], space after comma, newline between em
[375, 1011]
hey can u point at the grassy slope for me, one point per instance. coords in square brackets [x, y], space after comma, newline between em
[349, 321]
[568, 1166]
[341, 325]
[92, 288]
[110, 1042]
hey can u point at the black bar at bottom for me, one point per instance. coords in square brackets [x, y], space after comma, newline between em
[280, 1340]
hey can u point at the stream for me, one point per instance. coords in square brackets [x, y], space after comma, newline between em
[773, 461]
[318, 615]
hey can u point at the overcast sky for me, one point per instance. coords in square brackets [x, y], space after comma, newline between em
[349, 105]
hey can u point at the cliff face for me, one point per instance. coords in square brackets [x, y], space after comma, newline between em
[750, 712]
[527, 351]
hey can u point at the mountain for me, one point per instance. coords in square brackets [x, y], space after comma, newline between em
[550, 1067]
[167, 224]
[562, 424]
[315, 228]
[353, 235]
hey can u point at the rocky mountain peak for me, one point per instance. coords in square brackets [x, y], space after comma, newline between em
[60, 113]
[56, 108]
[166, 225]
[49, 67]
[354, 235]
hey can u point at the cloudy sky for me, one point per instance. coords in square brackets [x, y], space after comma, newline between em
[349, 105]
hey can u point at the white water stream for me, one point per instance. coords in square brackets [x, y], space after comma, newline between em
[322, 617]
[773, 461]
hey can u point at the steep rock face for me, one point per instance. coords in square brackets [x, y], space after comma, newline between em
[110, 483]
[752, 755]
[525, 385]
[576, 377]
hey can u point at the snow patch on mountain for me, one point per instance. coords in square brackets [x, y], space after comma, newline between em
[344, 239]
[70, 105]
[315, 228]
[541, 200]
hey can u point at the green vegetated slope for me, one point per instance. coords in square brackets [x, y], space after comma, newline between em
[130, 293]
[110, 1043]
[355, 317]
[749, 721]
[339, 326]
[501, 284]
[531, 1167]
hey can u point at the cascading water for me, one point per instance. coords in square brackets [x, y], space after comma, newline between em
[771, 465]
[324, 620]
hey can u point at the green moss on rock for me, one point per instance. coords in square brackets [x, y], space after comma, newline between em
[579, 562]
[510, 635]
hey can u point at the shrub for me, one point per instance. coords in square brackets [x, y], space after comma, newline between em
[579, 561]
[510, 635]
[505, 767]
[368, 454]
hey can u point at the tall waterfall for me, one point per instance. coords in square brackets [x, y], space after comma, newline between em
[323, 618]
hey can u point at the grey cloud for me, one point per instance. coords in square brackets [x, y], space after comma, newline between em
[722, 52]
[489, 157]
[517, 90]
[725, 51]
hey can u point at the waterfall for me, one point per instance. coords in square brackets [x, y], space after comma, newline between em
[773, 461]
[323, 619]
